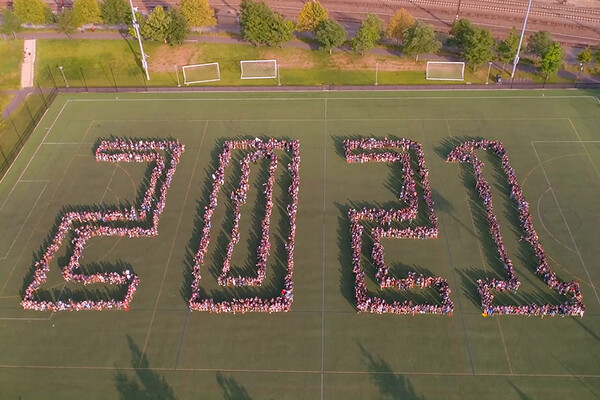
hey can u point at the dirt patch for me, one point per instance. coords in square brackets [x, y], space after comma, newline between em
[166, 57]
[290, 58]
[349, 61]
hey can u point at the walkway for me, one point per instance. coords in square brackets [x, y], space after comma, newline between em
[27, 68]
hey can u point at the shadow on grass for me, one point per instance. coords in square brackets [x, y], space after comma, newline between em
[521, 394]
[147, 384]
[390, 385]
[67, 243]
[232, 390]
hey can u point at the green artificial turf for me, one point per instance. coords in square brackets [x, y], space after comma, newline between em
[321, 349]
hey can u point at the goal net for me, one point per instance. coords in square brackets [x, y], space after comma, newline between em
[445, 71]
[259, 69]
[201, 73]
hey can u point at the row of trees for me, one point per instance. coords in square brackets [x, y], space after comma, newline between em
[260, 25]
[195, 13]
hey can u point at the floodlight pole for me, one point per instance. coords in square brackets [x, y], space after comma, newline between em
[177, 74]
[487, 79]
[512, 75]
[136, 27]
[376, 74]
[457, 10]
[63, 75]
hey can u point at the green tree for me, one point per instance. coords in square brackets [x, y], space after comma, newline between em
[420, 38]
[115, 12]
[86, 12]
[400, 21]
[310, 16]
[478, 49]
[368, 34]
[11, 23]
[197, 13]
[539, 43]
[507, 48]
[461, 31]
[31, 11]
[330, 34]
[597, 55]
[551, 59]
[282, 30]
[585, 56]
[156, 26]
[177, 29]
[261, 25]
[65, 23]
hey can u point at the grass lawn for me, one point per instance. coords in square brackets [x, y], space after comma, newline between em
[321, 349]
[116, 62]
[11, 56]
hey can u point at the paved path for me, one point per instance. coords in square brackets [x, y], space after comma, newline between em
[27, 68]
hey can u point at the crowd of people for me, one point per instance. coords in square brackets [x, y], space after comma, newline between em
[238, 198]
[88, 224]
[408, 193]
[262, 149]
[574, 306]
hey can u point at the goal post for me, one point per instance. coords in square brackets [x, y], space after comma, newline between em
[258, 69]
[201, 73]
[445, 71]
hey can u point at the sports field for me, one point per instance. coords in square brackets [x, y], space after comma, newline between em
[321, 349]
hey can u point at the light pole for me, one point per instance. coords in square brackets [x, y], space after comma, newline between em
[580, 71]
[63, 75]
[376, 74]
[177, 74]
[512, 75]
[487, 78]
[136, 27]
[458, 10]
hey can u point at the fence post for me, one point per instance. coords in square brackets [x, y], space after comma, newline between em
[83, 77]
[42, 94]
[51, 75]
[113, 76]
[24, 100]
[12, 122]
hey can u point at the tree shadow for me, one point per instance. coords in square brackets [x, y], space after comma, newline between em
[232, 390]
[147, 384]
[390, 384]
[521, 394]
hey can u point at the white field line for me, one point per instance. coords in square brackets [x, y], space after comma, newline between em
[337, 98]
[584, 148]
[565, 222]
[291, 371]
[325, 136]
[26, 219]
[172, 246]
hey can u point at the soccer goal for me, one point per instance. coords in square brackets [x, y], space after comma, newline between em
[201, 73]
[259, 69]
[445, 71]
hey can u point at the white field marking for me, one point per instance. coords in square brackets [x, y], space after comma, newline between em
[172, 245]
[333, 119]
[339, 98]
[60, 143]
[292, 371]
[39, 219]
[25, 319]
[539, 208]
[36, 150]
[26, 219]
[565, 141]
[504, 344]
[108, 185]
[325, 136]
[452, 269]
[565, 222]
[584, 148]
